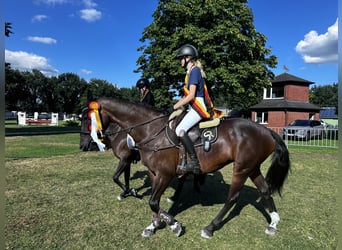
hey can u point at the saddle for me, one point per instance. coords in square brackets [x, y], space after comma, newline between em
[202, 135]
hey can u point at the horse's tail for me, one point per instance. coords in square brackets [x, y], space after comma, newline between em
[280, 165]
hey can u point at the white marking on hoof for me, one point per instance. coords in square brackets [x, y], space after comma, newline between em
[205, 235]
[169, 199]
[271, 231]
[177, 228]
[148, 231]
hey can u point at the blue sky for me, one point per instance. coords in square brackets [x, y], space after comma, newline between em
[99, 39]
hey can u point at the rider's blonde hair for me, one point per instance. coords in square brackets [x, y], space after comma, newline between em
[200, 66]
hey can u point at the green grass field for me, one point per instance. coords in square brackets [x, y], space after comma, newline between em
[58, 197]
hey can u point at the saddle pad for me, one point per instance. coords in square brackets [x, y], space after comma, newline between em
[208, 124]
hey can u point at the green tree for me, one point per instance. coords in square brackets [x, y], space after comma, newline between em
[16, 91]
[70, 88]
[132, 94]
[233, 53]
[49, 96]
[325, 96]
[98, 88]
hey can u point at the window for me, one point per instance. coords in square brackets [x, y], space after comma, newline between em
[261, 117]
[274, 92]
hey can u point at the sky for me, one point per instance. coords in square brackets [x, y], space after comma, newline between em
[99, 39]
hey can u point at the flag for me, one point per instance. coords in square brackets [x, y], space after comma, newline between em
[285, 68]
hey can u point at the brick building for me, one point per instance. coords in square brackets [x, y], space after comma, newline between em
[285, 101]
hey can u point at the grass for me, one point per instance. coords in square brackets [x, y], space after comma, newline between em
[58, 197]
[12, 129]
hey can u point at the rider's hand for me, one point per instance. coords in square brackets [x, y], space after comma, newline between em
[169, 110]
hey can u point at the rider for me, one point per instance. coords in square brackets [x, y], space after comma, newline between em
[194, 95]
[147, 96]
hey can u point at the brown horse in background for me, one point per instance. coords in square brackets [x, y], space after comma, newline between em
[116, 139]
[240, 141]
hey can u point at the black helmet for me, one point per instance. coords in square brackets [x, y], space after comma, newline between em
[143, 82]
[187, 50]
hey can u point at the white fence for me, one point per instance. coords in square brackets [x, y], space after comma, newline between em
[327, 138]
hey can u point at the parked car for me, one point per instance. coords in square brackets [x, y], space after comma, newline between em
[303, 130]
[44, 116]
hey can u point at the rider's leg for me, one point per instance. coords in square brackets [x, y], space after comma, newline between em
[193, 165]
[188, 121]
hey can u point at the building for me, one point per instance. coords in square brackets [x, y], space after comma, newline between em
[286, 100]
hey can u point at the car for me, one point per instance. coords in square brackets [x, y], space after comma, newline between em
[303, 130]
[44, 116]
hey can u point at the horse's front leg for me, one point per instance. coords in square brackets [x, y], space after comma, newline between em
[124, 166]
[160, 217]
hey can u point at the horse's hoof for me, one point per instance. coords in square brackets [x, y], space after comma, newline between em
[177, 229]
[271, 231]
[134, 192]
[120, 197]
[147, 233]
[170, 199]
[206, 234]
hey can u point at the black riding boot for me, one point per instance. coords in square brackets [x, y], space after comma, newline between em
[193, 165]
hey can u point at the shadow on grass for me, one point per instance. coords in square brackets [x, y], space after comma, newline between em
[214, 190]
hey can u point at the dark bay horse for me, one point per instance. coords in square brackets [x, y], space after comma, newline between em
[240, 141]
[116, 139]
[118, 143]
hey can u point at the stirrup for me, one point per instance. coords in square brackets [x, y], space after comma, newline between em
[192, 169]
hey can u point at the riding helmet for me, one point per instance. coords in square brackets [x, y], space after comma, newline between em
[187, 50]
[143, 82]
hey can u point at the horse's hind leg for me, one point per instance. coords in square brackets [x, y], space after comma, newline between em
[262, 186]
[180, 184]
[198, 180]
[238, 181]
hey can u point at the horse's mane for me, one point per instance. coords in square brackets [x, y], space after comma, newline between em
[128, 101]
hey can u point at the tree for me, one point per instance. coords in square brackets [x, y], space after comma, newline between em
[36, 83]
[325, 96]
[16, 91]
[233, 53]
[98, 88]
[70, 88]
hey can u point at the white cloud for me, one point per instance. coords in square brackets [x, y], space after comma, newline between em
[24, 61]
[39, 18]
[86, 72]
[89, 3]
[51, 2]
[90, 15]
[39, 39]
[321, 48]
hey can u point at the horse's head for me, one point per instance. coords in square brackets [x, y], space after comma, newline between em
[139, 120]
[86, 143]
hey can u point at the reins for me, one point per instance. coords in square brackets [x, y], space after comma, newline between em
[130, 128]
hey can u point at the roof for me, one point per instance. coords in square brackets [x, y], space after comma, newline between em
[326, 113]
[285, 77]
[281, 104]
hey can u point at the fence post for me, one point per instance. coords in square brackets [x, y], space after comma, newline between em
[21, 118]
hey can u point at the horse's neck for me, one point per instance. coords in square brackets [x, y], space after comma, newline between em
[137, 120]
